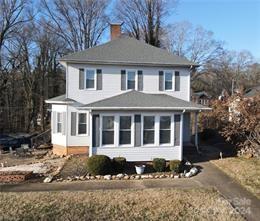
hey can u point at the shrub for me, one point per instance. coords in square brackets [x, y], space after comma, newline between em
[99, 165]
[207, 134]
[119, 164]
[175, 165]
[159, 164]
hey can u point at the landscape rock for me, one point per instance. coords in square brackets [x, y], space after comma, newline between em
[137, 177]
[176, 176]
[126, 177]
[193, 171]
[48, 179]
[120, 175]
[107, 177]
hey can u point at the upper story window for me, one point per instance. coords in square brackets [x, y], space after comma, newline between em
[131, 80]
[90, 79]
[168, 76]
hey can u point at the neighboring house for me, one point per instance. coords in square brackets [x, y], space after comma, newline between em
[124, 98]
[252, 92]
[200, 97]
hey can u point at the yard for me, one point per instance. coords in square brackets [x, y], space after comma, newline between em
[148, 204]
[245, 171]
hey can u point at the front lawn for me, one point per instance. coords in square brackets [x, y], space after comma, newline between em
[245, 171]
[149, 204]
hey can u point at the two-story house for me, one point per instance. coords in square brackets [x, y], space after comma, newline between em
[124, 98]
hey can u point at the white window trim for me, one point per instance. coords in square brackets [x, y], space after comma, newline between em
[77, 124]
[95, 79]
[59, 122]
[101, 130]
[171, 128]
[136, 79]
[142, 130]
[132, 130]
[173, 80]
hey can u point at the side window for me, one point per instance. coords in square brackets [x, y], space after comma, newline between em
[82, 123]
[131, 80]
[168, 80]
[59, 122]
[90, 79]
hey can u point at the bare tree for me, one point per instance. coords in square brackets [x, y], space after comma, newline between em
[80, 23]
[143, 19]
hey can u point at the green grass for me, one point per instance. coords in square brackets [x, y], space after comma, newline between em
[149, 204]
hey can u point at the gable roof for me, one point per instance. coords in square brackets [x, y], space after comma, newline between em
[61, 100]
[135, 100]
[129, 51]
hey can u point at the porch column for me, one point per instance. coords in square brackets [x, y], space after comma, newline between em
[196, 131]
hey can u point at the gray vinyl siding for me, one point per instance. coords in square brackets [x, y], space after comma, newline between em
[140, 80]
[73, 123]
[123, 80]
[177, 126]
[177, 81]
[96, 130]
[161, 82]
[99, 79]
[81, 78]
[138, 132]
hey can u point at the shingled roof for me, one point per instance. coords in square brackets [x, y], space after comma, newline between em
[135, 100]
[129, 51]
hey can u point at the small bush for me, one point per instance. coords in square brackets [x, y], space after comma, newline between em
[175, 165]
[119, 164]
[99, 165]
[207, 134]
[159, 164]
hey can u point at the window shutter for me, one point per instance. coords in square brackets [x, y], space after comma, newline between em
[140, 80]
[161, 81]
[63, 126]
[54, 121]
[138, 131]
[177, 81]
[99, 79]
[123, 80]
[95, 130]
[73, 123]
[177, 127]
[81, 78]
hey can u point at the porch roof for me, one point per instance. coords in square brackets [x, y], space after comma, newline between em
[135, 100]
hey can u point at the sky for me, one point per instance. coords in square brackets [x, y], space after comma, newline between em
[236, 22]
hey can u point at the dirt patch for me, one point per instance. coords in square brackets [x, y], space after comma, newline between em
[245, 171]
[150, 204]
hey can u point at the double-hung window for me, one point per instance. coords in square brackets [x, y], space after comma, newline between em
[59, 122]
[131, 80]
[148, 129]
[165, 130]
[90, 79]
[82, 123]
[108, 130]
[168, 76]
[125, 130]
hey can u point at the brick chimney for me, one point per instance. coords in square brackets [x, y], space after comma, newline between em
[115, 30]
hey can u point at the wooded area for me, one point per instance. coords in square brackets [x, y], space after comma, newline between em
[34, 35]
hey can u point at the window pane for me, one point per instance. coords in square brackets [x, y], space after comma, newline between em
[131, 80]
[149, 122]
[125, 137]
[165, 122]
[168, 85]
[58, 117]
[59, 127]
[90, 83]
[168, 76]
[82, 129]
[107, 137]
[108, 122]
[125, 122]
[90, 74]
[82, 118]
[131, 85]
[165, 136]
[148, 137]
[90, 79]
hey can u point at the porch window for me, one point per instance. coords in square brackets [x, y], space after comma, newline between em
[108, 130]
[82, 123]
[125, 130]
[90, 79]
[165, 129]
[59, 122]
[131, 80]
[148, 129]
[168, 80]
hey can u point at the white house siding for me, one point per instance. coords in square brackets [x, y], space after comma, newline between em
[141, 153]
[112, 82]
[58, 138]
[186, 128]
